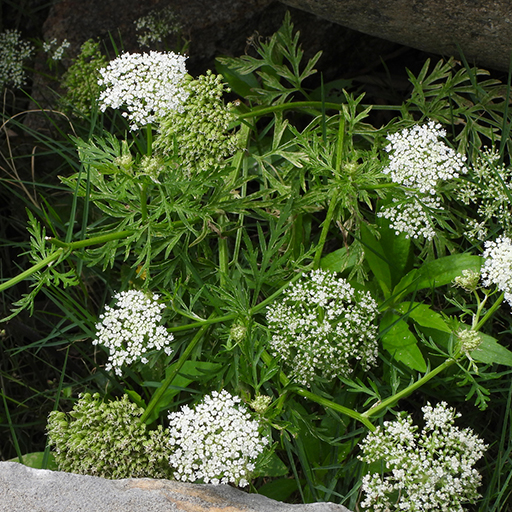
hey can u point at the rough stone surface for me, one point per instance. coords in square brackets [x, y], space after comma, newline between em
[482, 29]
[24, 489]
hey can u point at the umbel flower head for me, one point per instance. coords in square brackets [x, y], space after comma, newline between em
[148, 85]
[130, 329]
[215, 442]
[200, 134]
[419, 162]
[428, 470]
[108, 440]
[322, 325]
[489, 190]
[14, 51]
[497, 267]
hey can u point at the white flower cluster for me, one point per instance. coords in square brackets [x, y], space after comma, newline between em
[322, 325]
[13, 52]
[489, 188]
[156, 26]
[130, 330]
[55, 50]
[497, 268]
[431, 470]
[216, 442]
[147, 85]
[419, 162]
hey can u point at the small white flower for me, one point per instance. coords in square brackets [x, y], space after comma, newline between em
[216, 442]
[419, 162]
[55, 50]
[322, 325]
[427, 470]
[130, 330]
[147, 85]
[497, 268]
[13, 53]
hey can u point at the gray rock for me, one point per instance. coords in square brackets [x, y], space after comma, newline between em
[23, 489]
[482, 29]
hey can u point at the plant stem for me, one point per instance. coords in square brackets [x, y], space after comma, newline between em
[172, 374]
[267, 359]
[144, 202]
[38, 266]
[325, 229]
[316, 105]
[409, 389]
[491, 310]
[101, 239]
[63, 247]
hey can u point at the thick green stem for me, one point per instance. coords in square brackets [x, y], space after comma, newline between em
[172, 375]
[325, 229]
[489, 313]
[96, 240]
[315, 105]
[27, 273]
[373, 411]
[267, 359]
[63, 247]
[144, 202]
[223, 255]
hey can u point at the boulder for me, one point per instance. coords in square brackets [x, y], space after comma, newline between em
[24, 489]
[482, 29]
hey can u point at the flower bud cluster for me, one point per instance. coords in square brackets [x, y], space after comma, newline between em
[216, 442]
[130, 330]
[14, 51]
[107, 440]
[81, 78]
[468, 280]
[322, 325]
[427, 470]
[419, 162]
[497, 267]
[148, 85]
[200, 134]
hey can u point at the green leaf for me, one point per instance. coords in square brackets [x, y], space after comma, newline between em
[423, 315]
[279, 490]
[491, 352]
[35, 460]
[376, 259]
[443, 271]
[397, 249]
[401, 343]
[339, 260]
[436, 273]
[191, 371]
[270, 465]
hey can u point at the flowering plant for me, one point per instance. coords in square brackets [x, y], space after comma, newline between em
[269, 246]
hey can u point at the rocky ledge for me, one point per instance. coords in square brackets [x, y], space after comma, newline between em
[24, 489]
